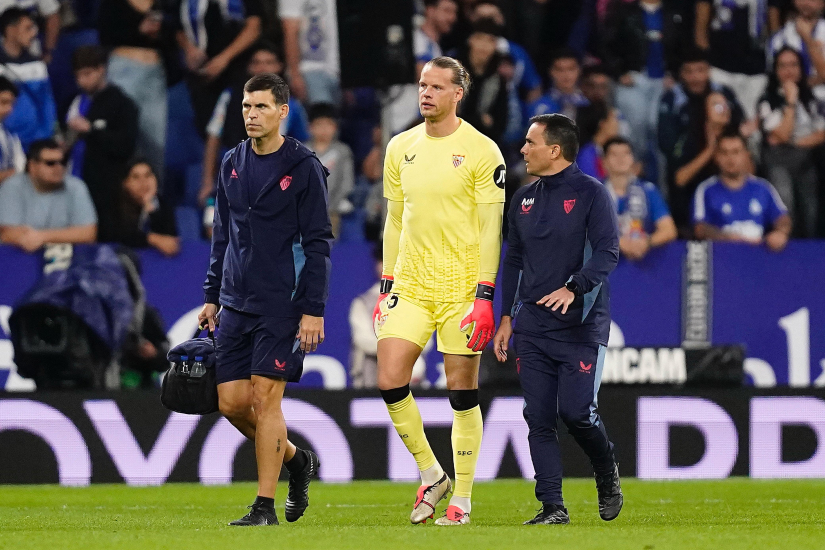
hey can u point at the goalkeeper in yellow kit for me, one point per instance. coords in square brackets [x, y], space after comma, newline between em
[444, 182]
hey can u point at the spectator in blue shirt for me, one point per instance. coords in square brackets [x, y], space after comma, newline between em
[736, 206]
[564, 95]
[34, 115]
[644, 219]
[12, 157]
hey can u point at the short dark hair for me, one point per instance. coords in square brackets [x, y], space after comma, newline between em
[732, 134]
[7, 85]
[137, 161]
[39, 146]
[695, 55]
[564, 53]
[562, 131]
[588, 118]
[590, 70]
[618, 140]
[322, 110]
[88, 57]
[271, 82]
[267, 46]
[12, 16]
[487, 26]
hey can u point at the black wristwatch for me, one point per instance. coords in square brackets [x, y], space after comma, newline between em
[572, 287]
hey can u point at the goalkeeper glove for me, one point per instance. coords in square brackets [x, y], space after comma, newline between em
[479, 319]
[379, 316]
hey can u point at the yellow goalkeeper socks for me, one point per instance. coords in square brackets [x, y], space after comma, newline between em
[467, 431]
[407, 421]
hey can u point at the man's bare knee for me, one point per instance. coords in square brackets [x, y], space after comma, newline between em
[234, 408]
[267, 394]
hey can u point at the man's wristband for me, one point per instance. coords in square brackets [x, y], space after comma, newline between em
[485, 291]
[386, 285]
[572, 287]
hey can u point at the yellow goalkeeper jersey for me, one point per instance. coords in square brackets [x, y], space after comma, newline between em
[441, 181]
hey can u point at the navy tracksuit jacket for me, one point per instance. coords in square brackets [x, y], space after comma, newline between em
[562, 227]
[272, 236]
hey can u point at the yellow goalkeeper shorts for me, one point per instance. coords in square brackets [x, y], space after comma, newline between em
[415, 321]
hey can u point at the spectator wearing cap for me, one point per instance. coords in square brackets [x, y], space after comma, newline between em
[485, 107]
[12, 157]
[641, 43]
[737, 206]
[644, 219]
[564, 95]
[794, 131]
[225, 132]
[733, 35]
[102, 127]
[44, 204]
[692, 116]
[336, 157]
[34, 114]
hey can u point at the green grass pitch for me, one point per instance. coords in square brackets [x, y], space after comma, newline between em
[730, 514]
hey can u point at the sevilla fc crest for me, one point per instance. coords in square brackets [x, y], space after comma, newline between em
[457, 160]
[286, 180]
[568, 205]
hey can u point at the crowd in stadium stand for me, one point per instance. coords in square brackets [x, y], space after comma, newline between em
[706, 118]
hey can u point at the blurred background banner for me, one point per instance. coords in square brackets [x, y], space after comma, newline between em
[773, 307]
[80, 438]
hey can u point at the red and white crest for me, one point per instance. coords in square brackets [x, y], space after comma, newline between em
[285, 181]
[568, 205]
[457, 160]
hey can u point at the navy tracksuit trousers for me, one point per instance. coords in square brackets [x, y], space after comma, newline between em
[561, 379]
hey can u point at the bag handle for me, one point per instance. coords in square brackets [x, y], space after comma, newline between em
[200, 330]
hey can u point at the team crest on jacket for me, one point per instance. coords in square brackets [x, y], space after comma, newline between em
[457, 160]
[568, 205]
[285, 181]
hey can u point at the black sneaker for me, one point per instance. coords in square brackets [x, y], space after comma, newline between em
[550, 514]
[258, 515]
[610, 494]
[298, 498]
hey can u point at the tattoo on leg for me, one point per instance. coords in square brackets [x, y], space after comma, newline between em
[279, 446]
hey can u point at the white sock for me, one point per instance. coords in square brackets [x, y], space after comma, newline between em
[431, 475]
[461, 502]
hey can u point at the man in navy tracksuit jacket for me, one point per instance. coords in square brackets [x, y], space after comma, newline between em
[269, 269]
[562, 245]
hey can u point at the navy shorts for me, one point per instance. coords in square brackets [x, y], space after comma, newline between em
[255, 344]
